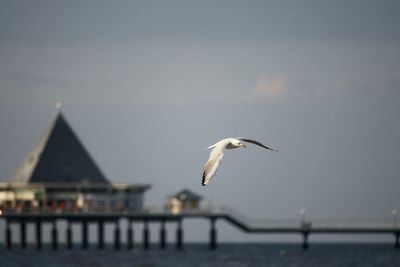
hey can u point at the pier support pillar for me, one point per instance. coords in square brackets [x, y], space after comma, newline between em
[129, 235]
[8, 236]
[305, 240]
[84, 234]
[117, 234]
[69, 235]
[396, 241]
[213, 235]
[22, 225]
[146, 236]
[100, 235]
[54, 236]
[179, 236]
[38, 234]
[163, 235]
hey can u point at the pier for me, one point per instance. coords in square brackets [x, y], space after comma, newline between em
[60, 184]
[302, 228]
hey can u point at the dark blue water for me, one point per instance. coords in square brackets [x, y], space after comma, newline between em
[198, 255]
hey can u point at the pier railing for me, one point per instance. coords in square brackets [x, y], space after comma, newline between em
[317, 224]
[224, 212]
[258, 223]
[228, 213]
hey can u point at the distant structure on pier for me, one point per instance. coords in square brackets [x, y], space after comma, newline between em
[184, 200]
[59, 175]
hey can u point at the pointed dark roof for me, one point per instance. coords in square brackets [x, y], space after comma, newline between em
[187, 195]
[59, 157]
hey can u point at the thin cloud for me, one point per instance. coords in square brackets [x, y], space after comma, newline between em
[270, 86]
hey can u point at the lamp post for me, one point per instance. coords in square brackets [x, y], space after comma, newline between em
[394, 213]
[302, 213]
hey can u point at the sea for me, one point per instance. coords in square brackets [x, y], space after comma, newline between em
[227, 254]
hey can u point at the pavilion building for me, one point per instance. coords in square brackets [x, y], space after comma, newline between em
[183, 201]
[59, 175]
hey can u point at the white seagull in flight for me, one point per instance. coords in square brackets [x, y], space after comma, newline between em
[218, 152]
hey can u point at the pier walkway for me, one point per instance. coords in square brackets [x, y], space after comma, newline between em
[302, 227]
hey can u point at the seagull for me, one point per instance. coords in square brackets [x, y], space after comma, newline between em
[217, 153]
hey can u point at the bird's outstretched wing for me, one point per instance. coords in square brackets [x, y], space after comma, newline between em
[257, 143]
[211, 165]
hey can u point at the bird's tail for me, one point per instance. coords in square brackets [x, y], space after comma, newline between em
[211, 146]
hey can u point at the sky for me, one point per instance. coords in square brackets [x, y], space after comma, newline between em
[148, 85]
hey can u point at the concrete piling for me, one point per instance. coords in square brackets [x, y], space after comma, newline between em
[54, 236]
[117, 234]
[69, 235]
[129, 235]
[146, 236]
[100, 235]
[179, 236]
[163, 236]
[213, 234]
[84, 234]
[8, 236]
[305, 240]
[22, 225]
[38, 227]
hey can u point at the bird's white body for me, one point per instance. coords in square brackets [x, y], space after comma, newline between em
[217, 154]
[228, 143]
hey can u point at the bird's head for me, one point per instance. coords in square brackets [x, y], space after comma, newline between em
[237, 143]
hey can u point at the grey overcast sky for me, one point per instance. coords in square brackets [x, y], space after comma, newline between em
[148, 85]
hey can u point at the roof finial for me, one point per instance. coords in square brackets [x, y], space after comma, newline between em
[58, 105]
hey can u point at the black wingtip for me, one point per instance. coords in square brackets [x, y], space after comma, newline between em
[203, 179]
